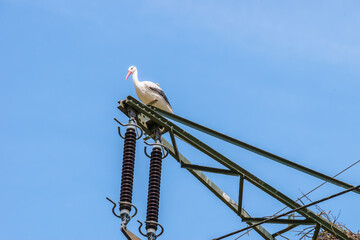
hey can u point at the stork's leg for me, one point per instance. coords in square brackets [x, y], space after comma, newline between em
[153, 102]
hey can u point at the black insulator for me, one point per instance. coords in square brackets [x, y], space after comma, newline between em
[128, 169]
[154, 188]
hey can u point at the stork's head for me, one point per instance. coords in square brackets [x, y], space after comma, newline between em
[131, 70]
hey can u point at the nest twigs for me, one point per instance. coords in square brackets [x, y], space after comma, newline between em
[307, 233]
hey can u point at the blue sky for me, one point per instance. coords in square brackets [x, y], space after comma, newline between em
[283, 76]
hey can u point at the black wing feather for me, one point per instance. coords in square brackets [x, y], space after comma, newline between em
[159, 91]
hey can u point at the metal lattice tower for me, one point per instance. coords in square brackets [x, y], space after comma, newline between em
[147, 116]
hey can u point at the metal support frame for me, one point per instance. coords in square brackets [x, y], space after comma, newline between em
[254, 149]
[241, 191]
[316, 232]
[216, 190]
[209, 169]
[281, 221]
[157, 116]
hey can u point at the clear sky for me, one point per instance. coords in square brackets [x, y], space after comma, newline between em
[280, 75]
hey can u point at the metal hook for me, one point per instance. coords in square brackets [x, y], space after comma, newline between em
[140, 228]
[139, 135]
[156, 223]
[164, 149]
[121, 202]
[113, 209]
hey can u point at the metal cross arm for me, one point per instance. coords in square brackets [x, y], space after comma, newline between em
[149, 113]
[280, 221]
[254, 149]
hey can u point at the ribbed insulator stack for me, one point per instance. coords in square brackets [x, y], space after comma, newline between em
[128, 169]
[154, 188]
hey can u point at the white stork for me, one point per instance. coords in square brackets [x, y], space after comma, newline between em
[149, 92]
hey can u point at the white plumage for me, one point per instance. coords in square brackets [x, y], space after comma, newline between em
[148, 92]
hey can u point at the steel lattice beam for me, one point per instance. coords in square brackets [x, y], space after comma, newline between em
[218, 192]
[255, 149]
[232, 167]
[281, 221]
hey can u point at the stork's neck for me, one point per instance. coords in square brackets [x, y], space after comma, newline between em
[135, 78]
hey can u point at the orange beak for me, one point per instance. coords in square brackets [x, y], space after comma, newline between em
[128, 74]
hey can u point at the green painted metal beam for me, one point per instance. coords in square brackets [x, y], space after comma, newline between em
[316, 232]
[160, 120]
[281, 221]
[241, 192]
[209, 169]
[254, 149]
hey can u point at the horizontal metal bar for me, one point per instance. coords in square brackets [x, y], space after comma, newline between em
[209, 169]
[231, 165]
[281, 221]
[254, 149]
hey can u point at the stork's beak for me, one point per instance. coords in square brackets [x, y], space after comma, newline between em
[128, 74]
